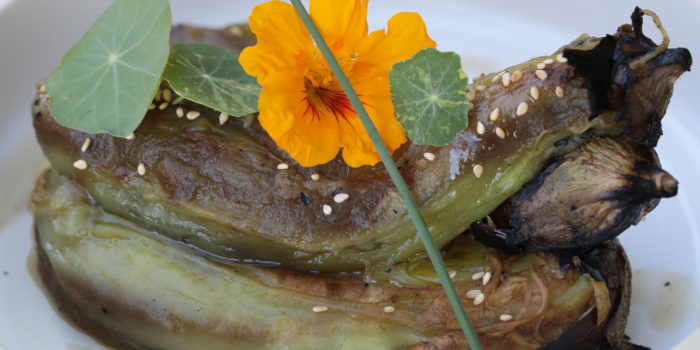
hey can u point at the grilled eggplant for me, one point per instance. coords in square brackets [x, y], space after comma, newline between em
[218, 187]
[590, 195]
[133, 288]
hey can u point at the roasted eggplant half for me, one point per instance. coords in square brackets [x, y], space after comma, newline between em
[135, 289]
[588, 196]
[218, 187]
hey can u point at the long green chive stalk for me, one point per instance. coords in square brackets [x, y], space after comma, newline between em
[410, 203]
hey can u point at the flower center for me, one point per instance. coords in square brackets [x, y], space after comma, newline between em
[321, 100]
[324, 95]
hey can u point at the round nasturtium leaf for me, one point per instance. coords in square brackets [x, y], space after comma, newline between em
[211, 76]
[429, 95]
[105, 83]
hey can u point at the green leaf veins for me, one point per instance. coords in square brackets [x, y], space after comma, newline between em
[106, 81]
[429, 95]
[211, 76]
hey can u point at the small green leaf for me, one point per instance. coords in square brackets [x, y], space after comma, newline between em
[211, 76]
[429, 95]
[106, 81]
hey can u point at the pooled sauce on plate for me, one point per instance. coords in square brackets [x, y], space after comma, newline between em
[667, 302]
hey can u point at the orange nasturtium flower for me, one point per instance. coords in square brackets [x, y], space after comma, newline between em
[302, 106]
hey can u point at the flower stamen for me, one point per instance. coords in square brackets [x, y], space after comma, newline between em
[322, 100]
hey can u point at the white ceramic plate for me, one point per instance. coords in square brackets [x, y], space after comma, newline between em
[34, 35]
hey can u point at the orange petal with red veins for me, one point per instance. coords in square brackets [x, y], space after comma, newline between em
[283, 114]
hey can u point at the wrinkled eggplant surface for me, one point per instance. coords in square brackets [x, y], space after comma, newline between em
[218, 187]
[135, 289]
[588, 196]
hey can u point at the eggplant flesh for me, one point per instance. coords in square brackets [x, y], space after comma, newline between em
[588, 196]
[218, 187]
[133, 288]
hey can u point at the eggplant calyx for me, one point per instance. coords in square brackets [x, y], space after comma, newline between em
[629, 71]
[588, 196]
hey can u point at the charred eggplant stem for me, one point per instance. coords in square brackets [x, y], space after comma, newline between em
[584, 198]
[218, 188]
[630, 72]
[603, 261]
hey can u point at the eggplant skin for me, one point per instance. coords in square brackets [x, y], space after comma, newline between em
[134, 289]
[611, 67]
[218, 187]
[585, 197]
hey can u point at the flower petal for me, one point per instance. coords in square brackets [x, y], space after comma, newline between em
[283, 40]
[284, 115]
[358, 148]
[405, 36]
[343, 23]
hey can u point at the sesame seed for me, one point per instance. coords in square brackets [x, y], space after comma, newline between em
[315, 177]
[163, 106]
[159, 95]
[505, 317]
[282, 166]
[480, 129]
[223, 118]
[516, 76]
[320, 308]
[130, 136]
[497, 77]
[192, 115]
[473, 293]
[471, 95]
[495, 114]
[249, 119]
[479, 88]
[341, 197]
[548, 61]
[478, 170]
[327, 209]
[541, 65]
[429, 156]
[180, 113]
[559, 91]
[86, 145]
[151, 107]
[542, 75]
[453, 274]
[534, 92]
[389, 309]
[479, 299]
[167, 95]
[561, 58]
[478, 275]
[505, 79]
[80, 164]
[141, 169]
[487, 277]
[236, 31]
[521, 109]
[42, 89]
[501, 134]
